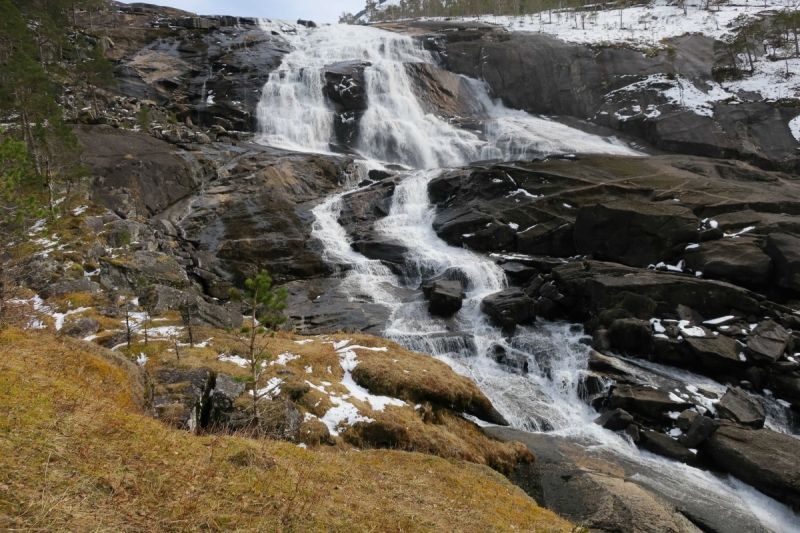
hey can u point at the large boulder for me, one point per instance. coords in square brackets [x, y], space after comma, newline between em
[68, 287]
[179, 396]
[615, 420]
[634, 233]
[80, 328]
[223, 400]
[665, 445]
[509, 308]
[605, 285]
[445, 298]
[740, 407]
[648, 402]
[631, 335]
[700, 428]
[762, 458]
[784, 249]
[768, 341]
[159, 299]
[740, 261]
[142, 268]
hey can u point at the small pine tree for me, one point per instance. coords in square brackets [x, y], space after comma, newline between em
[267, 306]
[143, 117]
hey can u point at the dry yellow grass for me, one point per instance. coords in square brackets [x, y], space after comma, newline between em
[76, 455]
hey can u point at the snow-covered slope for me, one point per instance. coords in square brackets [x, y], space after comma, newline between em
[638, 26]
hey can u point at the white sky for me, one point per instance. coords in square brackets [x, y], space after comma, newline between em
[316, 10]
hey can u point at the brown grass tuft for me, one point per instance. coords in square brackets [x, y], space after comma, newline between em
[76, 455]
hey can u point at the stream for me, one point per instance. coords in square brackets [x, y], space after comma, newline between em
[395, 130]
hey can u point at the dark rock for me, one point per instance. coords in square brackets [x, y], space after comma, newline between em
[739, 261]
[554, 237]
[68, 287]
[762, 458]
[717, 354]
[661, 444]
[632, 233]
[701, 428]
[136, 174]
[179, 396]
[686, 418]
[510, 307]
[142, 268]
[223, 399]
[652, 403]
[80, 328]
[160, 299]
[518, 272]
[784, 249]
[615, 420]
[740, 407]
[631, 335]
[445, 298]
[605, 285]
[768, 341]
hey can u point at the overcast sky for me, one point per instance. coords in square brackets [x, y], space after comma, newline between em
[317, 10]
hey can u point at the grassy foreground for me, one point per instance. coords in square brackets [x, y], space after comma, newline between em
[77, 454]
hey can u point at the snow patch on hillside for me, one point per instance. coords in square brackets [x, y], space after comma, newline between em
[638, 26]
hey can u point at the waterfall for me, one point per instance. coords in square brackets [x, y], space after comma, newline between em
[294, 114]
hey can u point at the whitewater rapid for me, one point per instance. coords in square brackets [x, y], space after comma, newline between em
[294, 114]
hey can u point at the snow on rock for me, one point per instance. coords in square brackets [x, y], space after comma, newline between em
[284, 358]
[637, 26]
[794, 126]
[235, 359]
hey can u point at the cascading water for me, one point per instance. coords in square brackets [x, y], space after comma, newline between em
[294, 114]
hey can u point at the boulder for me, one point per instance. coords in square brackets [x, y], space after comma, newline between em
[615, 420]
[604, 285]
[686, 418]
[700, 429]
[768, 341]
[518, 272]
[223, 400]
[648, 402]
[784, 249]
[180, 395]
[160, 299]
[631, 335]
[68, 287]
[762, 458]
[634, 233]
[717, 354]
[509, 308]
[81, 328]
[740, 407]
[665, 445]
[740, 261]
[445, 298]
[142, 268]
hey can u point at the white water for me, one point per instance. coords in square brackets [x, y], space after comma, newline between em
[295, 115]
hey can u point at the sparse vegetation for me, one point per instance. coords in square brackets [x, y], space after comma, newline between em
[76, 455]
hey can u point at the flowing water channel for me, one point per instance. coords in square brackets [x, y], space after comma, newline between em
[294, 114]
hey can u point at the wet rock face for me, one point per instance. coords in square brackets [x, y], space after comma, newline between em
[542, 75]
[445, 298]
[345, 88]
[634, 233]
[212, 75]
[136, 174]
[509, 308]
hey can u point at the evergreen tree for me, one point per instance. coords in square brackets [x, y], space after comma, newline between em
[266, 315]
